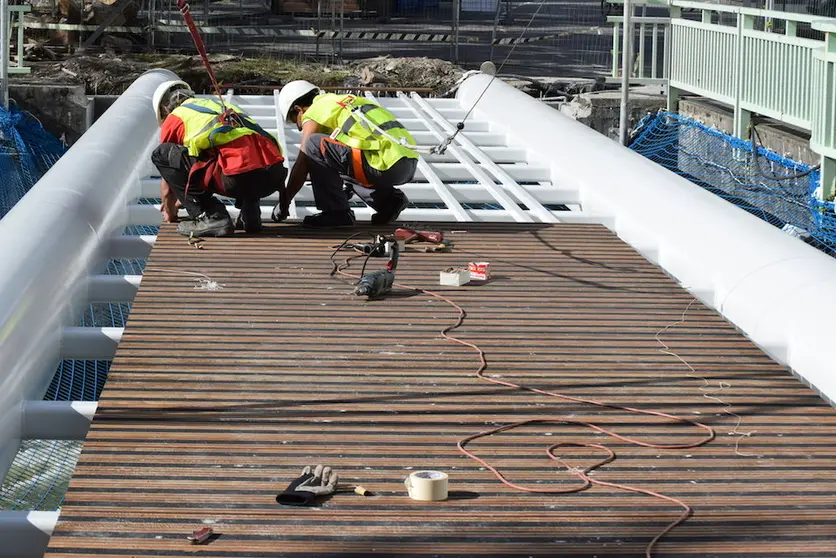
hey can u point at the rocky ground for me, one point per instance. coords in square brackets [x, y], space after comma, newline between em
[111, 74]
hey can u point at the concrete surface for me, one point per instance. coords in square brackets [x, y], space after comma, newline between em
[62, 109]
[783, 139]
[600, 110]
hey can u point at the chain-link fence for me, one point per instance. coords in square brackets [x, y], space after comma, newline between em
[548, 38]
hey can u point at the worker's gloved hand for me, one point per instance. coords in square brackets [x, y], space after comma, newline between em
[319, 481]
[281, 210]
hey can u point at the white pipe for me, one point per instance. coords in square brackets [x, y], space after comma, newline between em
[113, 288]
[773, 287]
[25, 534]
[57, 420]
[58, 232]
[134, 246]
[90, 343]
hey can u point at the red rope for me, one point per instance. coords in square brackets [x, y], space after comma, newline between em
[584, 473]
[185, 10]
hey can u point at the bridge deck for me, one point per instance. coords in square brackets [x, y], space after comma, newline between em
[216, 399]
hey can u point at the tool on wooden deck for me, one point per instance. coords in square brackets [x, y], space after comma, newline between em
[411, 235]
[313, 483]
[379, 282]
[201, 535]
[422, 241]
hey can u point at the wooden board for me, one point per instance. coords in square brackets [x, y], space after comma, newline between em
[217, 399]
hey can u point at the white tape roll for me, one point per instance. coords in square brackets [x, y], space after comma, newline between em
[429, 486]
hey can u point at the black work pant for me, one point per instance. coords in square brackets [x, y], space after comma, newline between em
[331, 163]
[173, 162]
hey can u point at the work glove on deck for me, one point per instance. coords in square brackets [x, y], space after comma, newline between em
[313, 483]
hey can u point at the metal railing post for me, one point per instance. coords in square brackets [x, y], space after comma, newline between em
[457, 8]
[626, 66]
[20, 49]
[672, 92]
[4, 53]
[741, 117]
[823, 137]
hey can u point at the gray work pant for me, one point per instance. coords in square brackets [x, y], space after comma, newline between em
[332, 163]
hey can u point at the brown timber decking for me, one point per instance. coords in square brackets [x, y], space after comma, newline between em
[217, 399]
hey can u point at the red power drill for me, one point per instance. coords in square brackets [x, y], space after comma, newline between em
[410, 235]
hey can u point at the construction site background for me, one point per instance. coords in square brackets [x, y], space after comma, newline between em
[553, 38]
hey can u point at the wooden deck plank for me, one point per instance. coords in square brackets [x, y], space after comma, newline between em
[217, 399]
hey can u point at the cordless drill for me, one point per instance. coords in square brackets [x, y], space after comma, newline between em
[380, 282]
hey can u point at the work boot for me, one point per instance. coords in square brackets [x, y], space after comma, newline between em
[249, 216]
[218, 223]
[328, 219]
[389, 208]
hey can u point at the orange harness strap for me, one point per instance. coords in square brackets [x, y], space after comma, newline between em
[356, 160]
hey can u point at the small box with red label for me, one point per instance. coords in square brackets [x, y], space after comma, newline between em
[480, 271]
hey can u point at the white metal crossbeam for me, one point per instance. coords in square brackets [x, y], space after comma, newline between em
[440, 188]
[533, 204]
[285, 147]
[499, 195]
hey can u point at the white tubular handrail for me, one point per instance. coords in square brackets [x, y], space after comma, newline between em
[770, 285]
[55, 236]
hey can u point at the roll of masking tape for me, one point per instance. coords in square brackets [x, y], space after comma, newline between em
[428, 486]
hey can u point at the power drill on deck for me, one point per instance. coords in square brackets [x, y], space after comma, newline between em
[379, 283]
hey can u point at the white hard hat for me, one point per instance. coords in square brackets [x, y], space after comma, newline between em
[163, 90]
[291, 92]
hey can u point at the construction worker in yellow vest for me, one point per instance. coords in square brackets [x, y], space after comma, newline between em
[350, 139]
[207, 148]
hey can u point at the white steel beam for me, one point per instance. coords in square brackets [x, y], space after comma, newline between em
[530, 201]
[415, 214]
[143, 214]
[428, 138]
[425, 192]
[90, 343]
[135, 246]
[444, 193]
[113, 288]
[501, 197]
[285, 147]
[25, 534]
[57, 420]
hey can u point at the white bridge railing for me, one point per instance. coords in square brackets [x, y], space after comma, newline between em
[754, 61]
[58, 237]
[750, 59]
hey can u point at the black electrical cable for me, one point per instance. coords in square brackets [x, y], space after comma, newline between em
[340, 247]
[757, 142]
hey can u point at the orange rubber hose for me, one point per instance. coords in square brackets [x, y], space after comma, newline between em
[582, 474]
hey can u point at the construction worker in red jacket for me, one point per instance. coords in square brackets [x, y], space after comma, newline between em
[346, 138]
[202, 152]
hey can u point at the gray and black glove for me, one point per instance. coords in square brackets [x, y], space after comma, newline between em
[281, 209]
[316, 482]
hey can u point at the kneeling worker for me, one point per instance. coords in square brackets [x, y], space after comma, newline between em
[203, 152]
[351, 138]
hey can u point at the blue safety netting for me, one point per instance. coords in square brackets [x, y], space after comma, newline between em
[776, 189]
[27, 151]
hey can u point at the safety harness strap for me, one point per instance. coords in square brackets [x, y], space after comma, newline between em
[239, 119]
